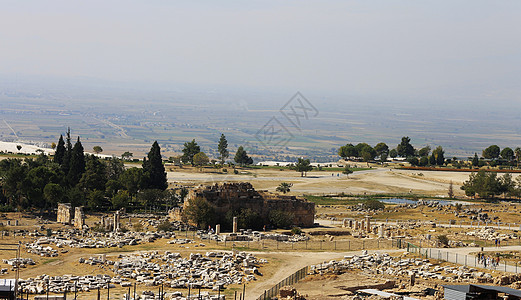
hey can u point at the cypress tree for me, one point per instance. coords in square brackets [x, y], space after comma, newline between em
[155, 175]
[68, 153]
[77, 163]
[223, 148]
[59, 154]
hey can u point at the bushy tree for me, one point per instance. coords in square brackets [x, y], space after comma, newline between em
[200, 159]
[405, 149]
[491, 152]
[439, 156]
[190, 149]
[242, 158]
[507, 154]
[374, 204]
[347, 151]
[424, 151]
[381, 148]
[200, 212]
[284, 187]
[281, 218]
[303, 166]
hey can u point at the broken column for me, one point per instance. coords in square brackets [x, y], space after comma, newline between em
[345, 223]
[368, 223]
[79, 217]
[381, 233]
[64, 213]
[218, 229]
[116, 221]
[362, 225]
[235, 225]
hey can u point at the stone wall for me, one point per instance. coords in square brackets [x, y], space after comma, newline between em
[64, 213]
[234, 196]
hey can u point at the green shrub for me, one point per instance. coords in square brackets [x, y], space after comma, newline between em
[281, 218]
[443, 239]
[374, 204]
[296, 230]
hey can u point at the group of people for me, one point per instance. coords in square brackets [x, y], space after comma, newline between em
[487, 260]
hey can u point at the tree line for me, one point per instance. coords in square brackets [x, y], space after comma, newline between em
[489, 185]
[193, 155]
[71, 176]
[492, 155]
[83, 180]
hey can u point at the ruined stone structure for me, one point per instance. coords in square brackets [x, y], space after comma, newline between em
[79, 217]
[116, 221]
[64, 213]
[234, 196]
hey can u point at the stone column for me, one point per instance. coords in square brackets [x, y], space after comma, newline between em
[381, 231]
[218, 229]
[362, 225]
[368, 223]
[116, 221]
[79, 218]
[235, 225]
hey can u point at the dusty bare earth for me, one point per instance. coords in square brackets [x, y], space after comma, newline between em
[376, 180]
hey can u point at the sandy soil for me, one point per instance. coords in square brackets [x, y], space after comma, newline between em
[377, 180]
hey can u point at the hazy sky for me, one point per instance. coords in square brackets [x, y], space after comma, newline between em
[397, 47]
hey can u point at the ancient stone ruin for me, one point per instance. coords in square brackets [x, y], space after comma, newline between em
[64, 213]
[79, 217]
[233, 196]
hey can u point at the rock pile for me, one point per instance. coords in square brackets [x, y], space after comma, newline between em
[488, 233]
[22, 262]
[81, 239]
[384, 264]
[213, 270]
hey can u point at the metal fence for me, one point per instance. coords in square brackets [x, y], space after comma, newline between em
[292, 279]
[461, 259]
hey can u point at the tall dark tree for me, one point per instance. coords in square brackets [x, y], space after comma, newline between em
[77, 163]
[59, 154]
[66, 164]
[223, 148]
[475, 160]
[190, 149]
[242, 158]
[154, 170]
[405, 149]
